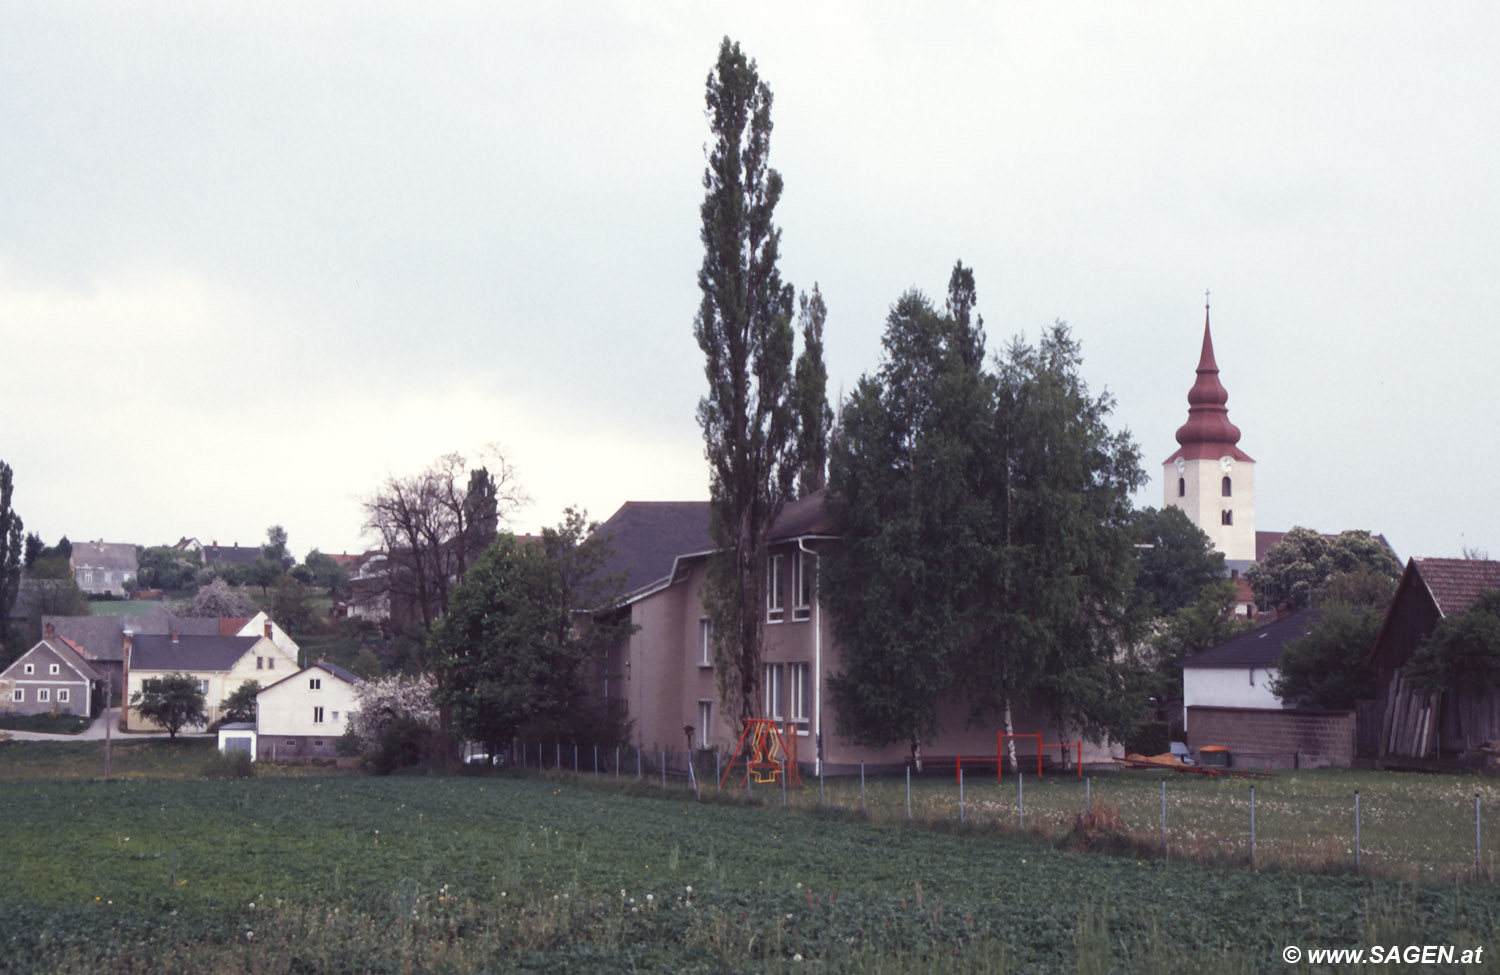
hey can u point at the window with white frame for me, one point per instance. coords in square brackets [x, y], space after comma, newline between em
[30, 668]
[62, 695]
[317, 715]
[315, 683]
[44, 695]
[270, 663]
[776, 589]
[54, 669]
[260, 663]
[798, 678]
[773, 690]
[203, 686]
[807, 574]
[19, 694]
[705, 642]
[705, 724]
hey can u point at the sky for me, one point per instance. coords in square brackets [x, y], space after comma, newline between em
[257, 257]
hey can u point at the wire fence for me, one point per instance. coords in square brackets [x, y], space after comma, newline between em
[1404, 826]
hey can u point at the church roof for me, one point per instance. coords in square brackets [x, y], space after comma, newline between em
[1208, 433]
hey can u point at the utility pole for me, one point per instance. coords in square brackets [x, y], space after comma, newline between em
[109, 693]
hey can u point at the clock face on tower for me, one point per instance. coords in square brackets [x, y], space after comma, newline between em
[1181, 465]
[1226, 463]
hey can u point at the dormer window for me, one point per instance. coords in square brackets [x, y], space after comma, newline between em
[1226, 488]
[1226, 517]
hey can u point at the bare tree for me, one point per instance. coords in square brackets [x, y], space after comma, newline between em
[431, 529]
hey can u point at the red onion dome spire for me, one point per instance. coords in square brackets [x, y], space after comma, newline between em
[1208, 432]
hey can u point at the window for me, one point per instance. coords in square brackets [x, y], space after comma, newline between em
[62, 695]
[773, 687]
[1182, 487]
[705, 723]
[317, 715]
[1226, 517]
[260, 663]
[1226, 488]
[705, 642]
[315, 683]
[797, 679]
[43, 695]
[317, 743]
[335, 715]
[291, 743]
[776, 589]
[54, 669]
[18, 695]
[203, 686]
[270, 663]
[31, 668]
[807, 574]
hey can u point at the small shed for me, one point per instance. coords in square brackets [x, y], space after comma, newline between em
[238, 736]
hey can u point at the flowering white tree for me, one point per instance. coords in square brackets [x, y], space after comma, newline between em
[389, 699]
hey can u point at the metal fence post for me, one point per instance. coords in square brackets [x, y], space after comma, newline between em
[1252, 825]
[1021, 799]
[1163, 818]
[718, 779]
[638, 773]
[1356, 830]
[783, 784]
[908, 792]
[1478, 869]
[861, 786]
[617, 761]
[1088, 797]
[558, 763]
[575, 758]
[663, 768]
[960, 795]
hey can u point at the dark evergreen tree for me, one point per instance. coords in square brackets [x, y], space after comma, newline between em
[744, 327]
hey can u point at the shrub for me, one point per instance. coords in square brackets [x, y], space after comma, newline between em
[404, 742]
[229, 765]
[1151, 738]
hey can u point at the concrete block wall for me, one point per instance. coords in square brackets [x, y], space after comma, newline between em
[1259, 737]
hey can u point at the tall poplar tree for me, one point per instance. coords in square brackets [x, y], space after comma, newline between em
[814, 418]
[12, 547]
[744, 327]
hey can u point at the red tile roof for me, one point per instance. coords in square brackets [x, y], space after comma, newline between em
[1456, 583]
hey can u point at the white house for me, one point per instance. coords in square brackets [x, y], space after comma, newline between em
[220, 664]
[1238, 672]
[305, 714]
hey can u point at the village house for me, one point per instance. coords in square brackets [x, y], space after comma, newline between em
[303, 715]
[50, 678]
[103, 568]
[220, 664]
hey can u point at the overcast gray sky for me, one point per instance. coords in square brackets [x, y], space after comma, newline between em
[255, 256]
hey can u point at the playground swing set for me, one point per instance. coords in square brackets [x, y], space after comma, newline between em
[767, 753]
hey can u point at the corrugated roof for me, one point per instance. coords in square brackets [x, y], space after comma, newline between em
[189, 653]
[1261, 647]
[1456, 583]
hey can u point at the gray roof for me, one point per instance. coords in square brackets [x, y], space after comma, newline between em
[1261, 647]
[322, 665]
[646, 536]
[236, 554]
[189, 653]
[104, 555]
[102, 637]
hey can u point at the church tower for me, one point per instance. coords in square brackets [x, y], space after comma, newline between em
[1209, 477]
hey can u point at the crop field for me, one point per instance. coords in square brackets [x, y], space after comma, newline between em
[520, 872]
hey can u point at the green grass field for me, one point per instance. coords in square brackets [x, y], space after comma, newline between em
[163, 871]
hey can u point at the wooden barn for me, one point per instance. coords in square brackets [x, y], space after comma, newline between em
[1459, 720]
